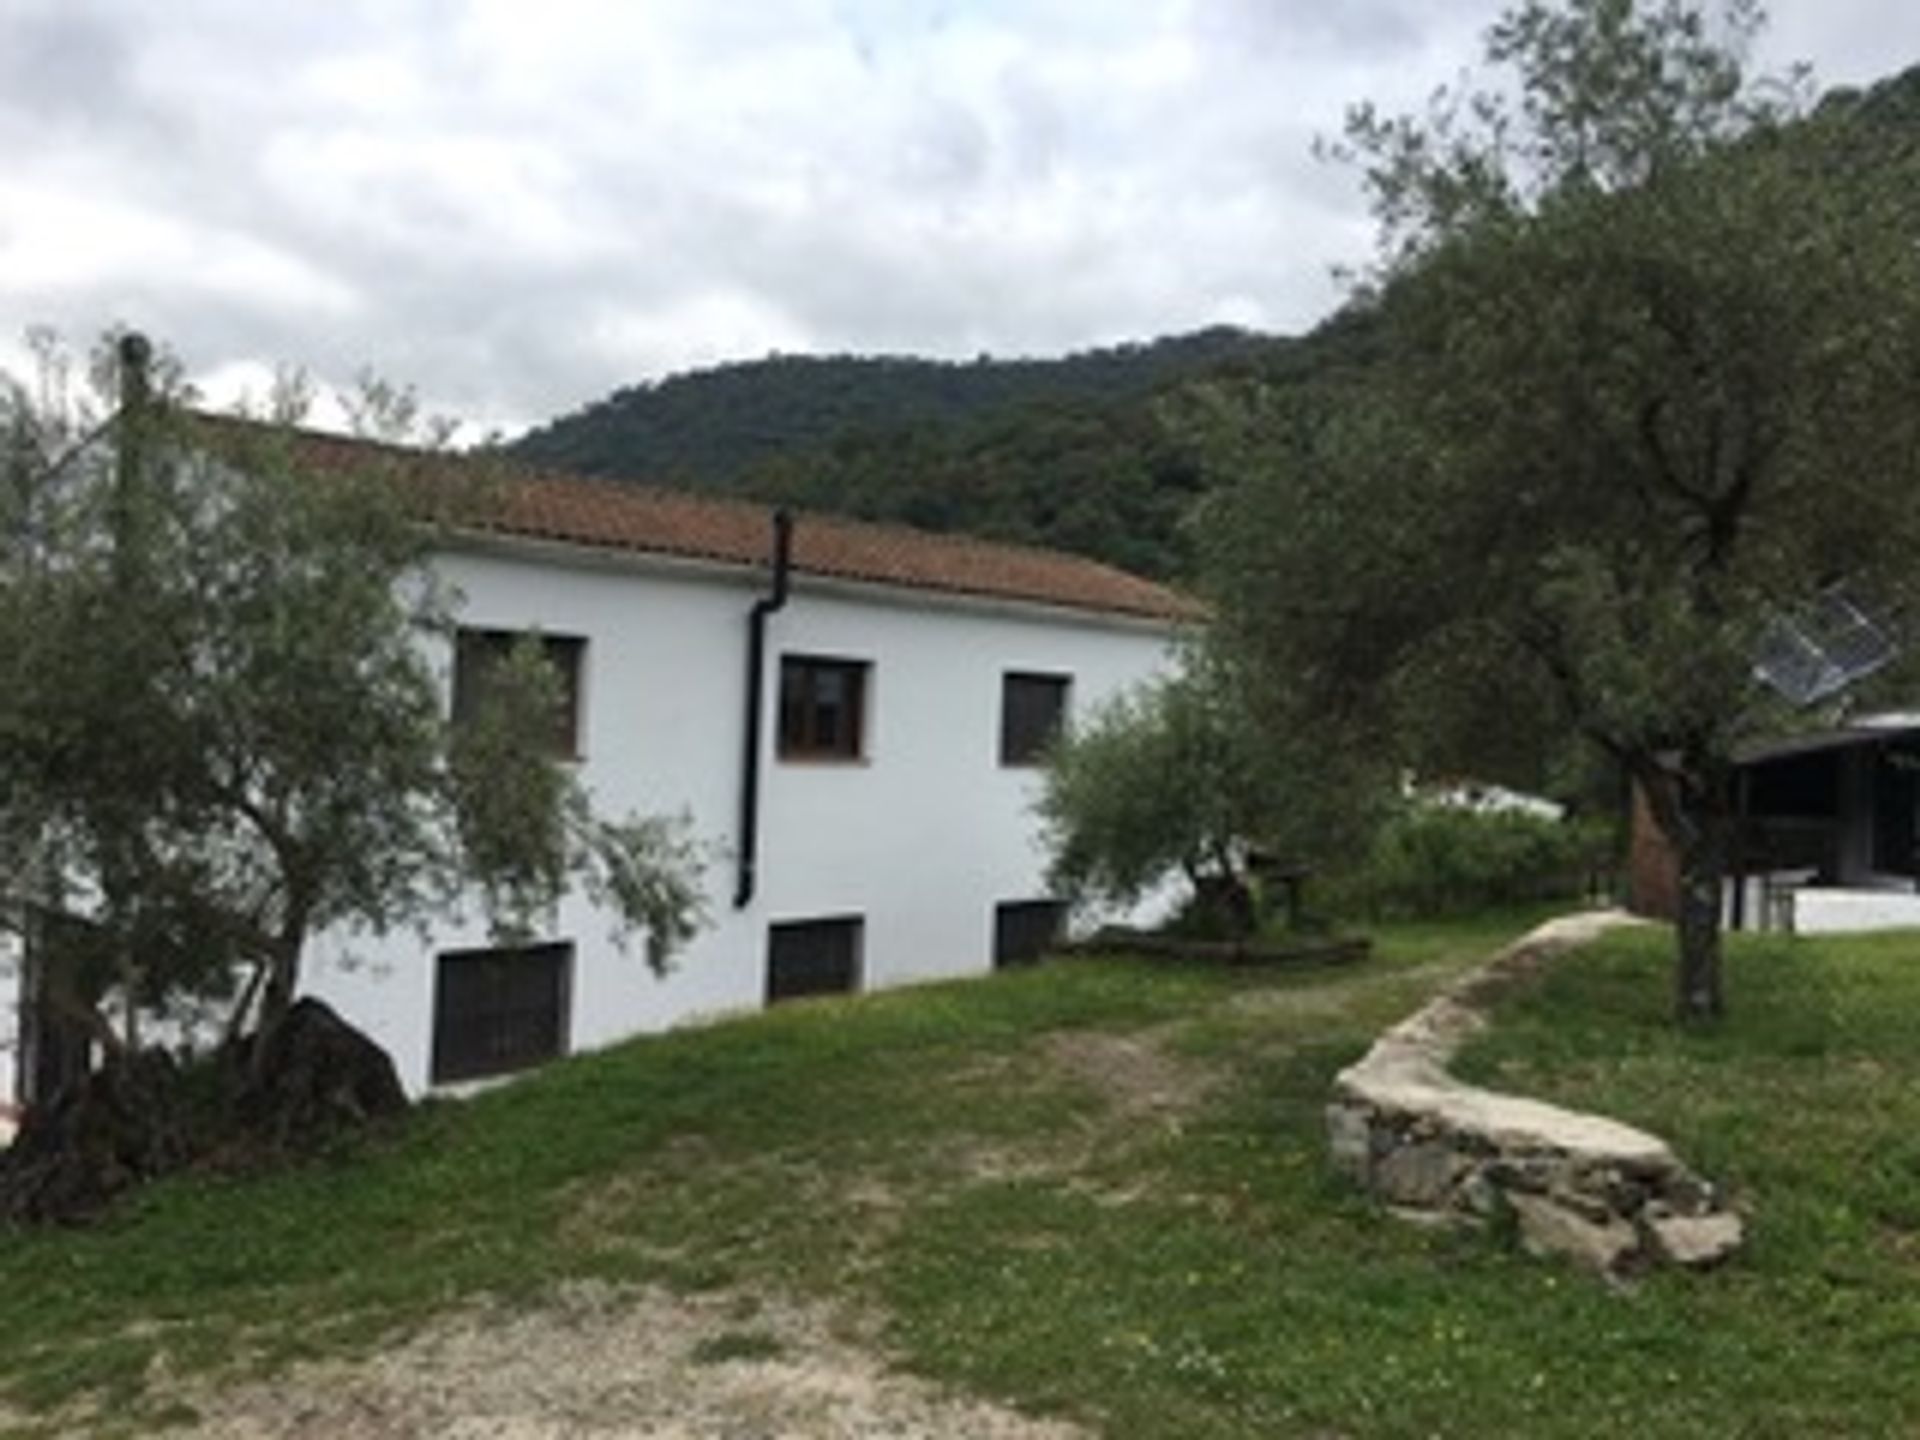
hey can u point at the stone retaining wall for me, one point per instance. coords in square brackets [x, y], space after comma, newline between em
[1438, 1150]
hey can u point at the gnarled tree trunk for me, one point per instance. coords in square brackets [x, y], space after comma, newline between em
[1698, 992]
[1691, 804]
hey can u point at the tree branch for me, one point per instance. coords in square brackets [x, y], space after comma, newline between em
[1663, 467]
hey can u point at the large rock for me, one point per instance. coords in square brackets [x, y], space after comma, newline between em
[1550, 1229]
[1421, 1174]
[315, 1077]
[1350, 1141]
[1696, 1242]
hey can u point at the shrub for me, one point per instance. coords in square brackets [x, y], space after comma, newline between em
[1433, 860]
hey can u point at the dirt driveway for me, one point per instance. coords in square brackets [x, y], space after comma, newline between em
[600, 1363]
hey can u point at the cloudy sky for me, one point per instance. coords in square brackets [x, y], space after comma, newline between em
[518, 205]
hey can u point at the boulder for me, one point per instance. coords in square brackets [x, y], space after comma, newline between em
[1696, 1242]
[1547, 1228]
[313, 1078]
[1420, 1176]
[1350, 1141]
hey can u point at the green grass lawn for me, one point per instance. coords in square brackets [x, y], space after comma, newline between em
[1099, 1189]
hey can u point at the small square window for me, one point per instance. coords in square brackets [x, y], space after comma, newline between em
[499, 1010]
[478, 653]
[1033, 708]
[1024, 930]
[822, 708]
[813, 957]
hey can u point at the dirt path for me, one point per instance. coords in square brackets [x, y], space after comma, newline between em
[602, 1362]
[599, 1362]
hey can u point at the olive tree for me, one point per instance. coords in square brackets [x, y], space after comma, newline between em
[1650, 330]
[221, 729]
[1189, 776]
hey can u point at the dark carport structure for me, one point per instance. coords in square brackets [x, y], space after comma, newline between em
[1826, 835]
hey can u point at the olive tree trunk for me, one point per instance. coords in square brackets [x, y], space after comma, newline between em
[1698, 993]
[1692, 808]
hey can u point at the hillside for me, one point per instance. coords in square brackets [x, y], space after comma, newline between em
[1069, 453]
[707, 426]
[1890, 107]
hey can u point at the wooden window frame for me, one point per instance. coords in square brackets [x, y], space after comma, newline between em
[1018, 748]
[452, 1062]
[797, 734]
[477, 647]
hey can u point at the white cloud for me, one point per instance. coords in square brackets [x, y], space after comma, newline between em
[55, 242]
[520, 206]
[696, 330]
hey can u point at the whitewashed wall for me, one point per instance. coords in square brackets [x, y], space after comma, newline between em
[1889, 902]
[1821, 911]
[922, 837]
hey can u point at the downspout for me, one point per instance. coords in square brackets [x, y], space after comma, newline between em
[747, 875]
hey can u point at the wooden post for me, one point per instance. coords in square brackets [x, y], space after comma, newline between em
[130, 445]
[136, 394]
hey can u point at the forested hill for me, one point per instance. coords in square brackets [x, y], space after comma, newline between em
[707, 426]
[1070, 454]
[1890, 107]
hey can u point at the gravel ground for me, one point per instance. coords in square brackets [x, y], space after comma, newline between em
[600, 1362]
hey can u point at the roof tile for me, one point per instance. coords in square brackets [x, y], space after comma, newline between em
[643, 519]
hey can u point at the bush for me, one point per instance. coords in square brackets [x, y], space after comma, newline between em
[1434, 860]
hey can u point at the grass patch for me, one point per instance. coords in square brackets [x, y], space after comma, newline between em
[954, 1161]
[1805, 1105]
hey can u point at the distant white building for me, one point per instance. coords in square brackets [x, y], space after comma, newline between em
[877, 830]
[1483, 798]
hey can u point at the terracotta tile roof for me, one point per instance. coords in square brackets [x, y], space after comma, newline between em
[509, 500]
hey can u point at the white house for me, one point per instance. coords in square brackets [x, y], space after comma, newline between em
[875, 831]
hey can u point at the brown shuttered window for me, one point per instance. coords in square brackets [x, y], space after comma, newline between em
[813, 957]
[1032, 710]
[500, 1010]
[1024, 930]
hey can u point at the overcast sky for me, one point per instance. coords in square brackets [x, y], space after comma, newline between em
[518, 205]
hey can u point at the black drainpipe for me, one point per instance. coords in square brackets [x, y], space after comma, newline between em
[756, 691]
